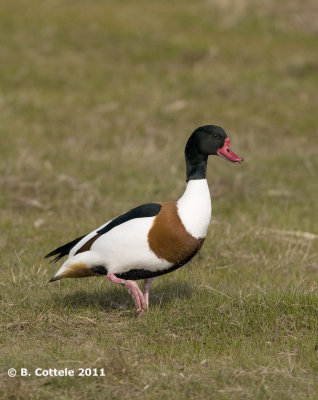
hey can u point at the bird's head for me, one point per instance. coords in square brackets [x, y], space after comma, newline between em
[211, 140]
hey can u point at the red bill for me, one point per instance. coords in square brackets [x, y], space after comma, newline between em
[226, 153]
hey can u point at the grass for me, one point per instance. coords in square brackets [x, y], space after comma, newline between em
[97, 100]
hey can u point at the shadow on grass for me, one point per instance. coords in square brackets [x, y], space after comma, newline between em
[117, 298]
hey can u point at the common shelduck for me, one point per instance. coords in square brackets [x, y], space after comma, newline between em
[155, 238]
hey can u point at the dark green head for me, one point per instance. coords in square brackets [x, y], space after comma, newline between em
[205, 141]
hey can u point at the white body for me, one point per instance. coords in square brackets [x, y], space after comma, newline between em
[126, 246]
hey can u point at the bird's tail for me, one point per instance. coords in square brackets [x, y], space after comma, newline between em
[82, 265]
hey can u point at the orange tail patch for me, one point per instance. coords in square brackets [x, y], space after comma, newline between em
[76, 270]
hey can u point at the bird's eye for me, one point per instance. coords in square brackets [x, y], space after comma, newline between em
[215, 135]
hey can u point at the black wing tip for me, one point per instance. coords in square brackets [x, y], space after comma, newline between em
[57, 258]
[59, 251]
[51, 254]
[64, 250]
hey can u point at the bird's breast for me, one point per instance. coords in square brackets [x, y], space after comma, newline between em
[195, 209]
[168, 238]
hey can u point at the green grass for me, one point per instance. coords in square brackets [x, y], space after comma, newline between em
[97, 100]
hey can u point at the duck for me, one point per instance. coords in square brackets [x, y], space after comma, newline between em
[152, 239]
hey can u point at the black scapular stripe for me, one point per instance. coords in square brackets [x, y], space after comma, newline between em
[143, 211]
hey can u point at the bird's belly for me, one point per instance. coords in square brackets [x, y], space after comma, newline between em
[144, 273]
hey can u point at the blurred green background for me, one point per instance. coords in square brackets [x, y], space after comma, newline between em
[97, 100]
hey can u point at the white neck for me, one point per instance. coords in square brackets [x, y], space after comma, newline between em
[194, 208]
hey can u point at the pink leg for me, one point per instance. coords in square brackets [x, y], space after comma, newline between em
[133, 290]
[147, 285]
